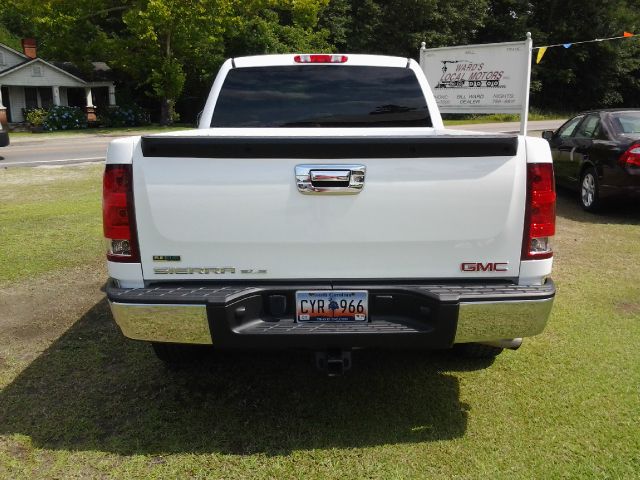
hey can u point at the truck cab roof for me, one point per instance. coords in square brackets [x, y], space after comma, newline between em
[290, 59]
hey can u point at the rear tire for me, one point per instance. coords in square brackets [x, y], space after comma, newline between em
[178, 355]
[477, 350]
[589, 193]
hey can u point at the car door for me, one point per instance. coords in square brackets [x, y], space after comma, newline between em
[562, 146]
[606, 150]
[586, 146]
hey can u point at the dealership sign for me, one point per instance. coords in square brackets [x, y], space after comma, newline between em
[490, 78]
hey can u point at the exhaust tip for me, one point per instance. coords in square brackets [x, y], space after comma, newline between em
[510, 343]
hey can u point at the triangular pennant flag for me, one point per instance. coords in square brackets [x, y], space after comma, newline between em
[628, 34]
[567, 45]
[541, 52]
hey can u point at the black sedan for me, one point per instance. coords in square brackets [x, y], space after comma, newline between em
[598, 154]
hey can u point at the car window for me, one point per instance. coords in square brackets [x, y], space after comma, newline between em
[589, 128]
[321, 96]
[601, 132]
[626, 122]
[567, 129]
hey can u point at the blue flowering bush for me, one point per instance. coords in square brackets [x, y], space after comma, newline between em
[64, 118]
[123, 116]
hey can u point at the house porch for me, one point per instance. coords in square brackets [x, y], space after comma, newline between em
[15, 99]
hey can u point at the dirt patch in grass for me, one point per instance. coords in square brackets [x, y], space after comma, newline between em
[34, 313]
[42, 176]
[629, 308]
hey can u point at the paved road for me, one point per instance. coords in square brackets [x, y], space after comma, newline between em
[62, 151]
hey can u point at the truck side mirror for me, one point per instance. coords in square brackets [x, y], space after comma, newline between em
[547, 135]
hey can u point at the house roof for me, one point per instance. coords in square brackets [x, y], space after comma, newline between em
[101, 72]
[38, 60]
[17, 66]
[7, 47]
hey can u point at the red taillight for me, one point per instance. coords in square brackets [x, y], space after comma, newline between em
[540, 213]
[118, 218]
[320, 58]
[631, 158]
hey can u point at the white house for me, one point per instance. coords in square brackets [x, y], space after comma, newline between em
[27, 81]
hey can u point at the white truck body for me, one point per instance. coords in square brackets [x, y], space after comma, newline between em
[410, 221]
[219, 214]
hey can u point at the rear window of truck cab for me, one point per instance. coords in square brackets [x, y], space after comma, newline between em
[321, 96]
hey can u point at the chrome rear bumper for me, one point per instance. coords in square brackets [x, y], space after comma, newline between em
[163, 323]
[427, 316]
[489, 321]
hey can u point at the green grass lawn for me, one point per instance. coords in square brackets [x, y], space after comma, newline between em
[49, 219]
[499, 118]
[80, 401]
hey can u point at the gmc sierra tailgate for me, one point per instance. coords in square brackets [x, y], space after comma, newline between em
[317, 205]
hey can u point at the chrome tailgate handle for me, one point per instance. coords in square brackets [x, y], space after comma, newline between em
[330, 179]
[333, 176]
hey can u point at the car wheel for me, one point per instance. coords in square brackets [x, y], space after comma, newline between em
[177, 355]
[589, 190]
[477, 350]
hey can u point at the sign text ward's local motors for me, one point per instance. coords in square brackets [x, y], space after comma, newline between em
[478, 78]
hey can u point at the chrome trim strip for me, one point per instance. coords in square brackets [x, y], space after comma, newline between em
[491, 321]
[163, 323]
[306, 175]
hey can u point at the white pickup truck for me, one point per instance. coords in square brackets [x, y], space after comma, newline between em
[321, 205]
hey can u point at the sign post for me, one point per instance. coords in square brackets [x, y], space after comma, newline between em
[524, 115]
[489, 78]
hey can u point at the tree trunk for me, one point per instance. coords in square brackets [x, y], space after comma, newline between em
[166, 114]
[165, 111]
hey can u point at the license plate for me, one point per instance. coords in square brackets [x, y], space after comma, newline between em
[332, 306]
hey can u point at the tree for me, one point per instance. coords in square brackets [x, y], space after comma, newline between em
[589, 75]
[595, 75]
[167, 46]
[64, 30]
[9, 39]
[506, 20]
[162, 45]
[276, 26]
[164, 40]
[337, 20]
[397, 27]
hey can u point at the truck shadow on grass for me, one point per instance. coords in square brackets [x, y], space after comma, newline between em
[614, 211]
[94, 390]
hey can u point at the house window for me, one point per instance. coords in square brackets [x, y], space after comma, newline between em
[2, 58]
[38, 97]
[46, 97]
[31, 97]
[36, 71]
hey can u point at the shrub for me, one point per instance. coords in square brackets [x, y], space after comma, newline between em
[64, 118]
[36, 116]
[123, 116]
